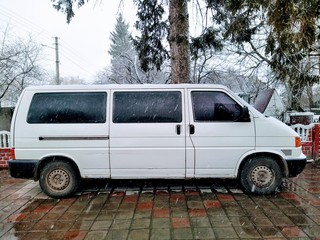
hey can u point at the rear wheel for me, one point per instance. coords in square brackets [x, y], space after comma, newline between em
[58, 179]
[261, 175]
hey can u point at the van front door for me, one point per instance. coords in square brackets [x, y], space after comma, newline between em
[147, 134]
[218, 138]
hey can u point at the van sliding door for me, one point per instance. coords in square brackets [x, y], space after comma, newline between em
[147, 134]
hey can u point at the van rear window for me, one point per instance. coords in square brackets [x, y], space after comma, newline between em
[81, 107]
[147, 107]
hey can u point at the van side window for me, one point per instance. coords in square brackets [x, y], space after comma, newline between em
[214, 106]
[81, 107]
[147, 107]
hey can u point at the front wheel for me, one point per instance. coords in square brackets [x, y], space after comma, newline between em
[58, 179]
[261, 175]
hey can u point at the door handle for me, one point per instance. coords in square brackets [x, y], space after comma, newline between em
[178, 128]
[191, 129]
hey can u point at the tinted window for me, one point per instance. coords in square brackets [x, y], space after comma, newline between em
[147, 107]
[214, 106]
[68, 108]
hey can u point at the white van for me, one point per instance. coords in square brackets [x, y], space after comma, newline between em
[62, 134]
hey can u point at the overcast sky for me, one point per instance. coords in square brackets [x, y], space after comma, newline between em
[83, 44]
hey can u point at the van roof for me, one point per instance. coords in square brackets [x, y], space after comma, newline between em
[124, 86]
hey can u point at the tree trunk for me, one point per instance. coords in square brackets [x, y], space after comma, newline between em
[310, 95]
[296, 92]
[179, 41]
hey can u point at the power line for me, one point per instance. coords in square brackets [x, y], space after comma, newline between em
[79, 66]
[44, 35]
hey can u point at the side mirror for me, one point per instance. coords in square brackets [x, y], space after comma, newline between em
[245, 117]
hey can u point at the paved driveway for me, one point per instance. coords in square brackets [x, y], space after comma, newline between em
[211, 209]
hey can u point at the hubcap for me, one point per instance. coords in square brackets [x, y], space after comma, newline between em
[58, 179]
[262, 176]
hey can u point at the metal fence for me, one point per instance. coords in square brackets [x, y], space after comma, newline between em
[4, 139]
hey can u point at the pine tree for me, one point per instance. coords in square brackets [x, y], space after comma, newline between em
[120, 38]
[122, 54]
[125, 66]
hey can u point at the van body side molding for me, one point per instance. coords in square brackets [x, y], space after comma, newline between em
[57, 138]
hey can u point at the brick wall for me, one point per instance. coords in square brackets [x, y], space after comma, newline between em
[308, 146]
[311, 147]
[307, 150]
[5, 155]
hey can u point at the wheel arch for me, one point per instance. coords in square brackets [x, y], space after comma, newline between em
[48, 159]
[276, 157]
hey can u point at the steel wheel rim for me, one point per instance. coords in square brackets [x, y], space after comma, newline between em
[58, 179]
[262, 176]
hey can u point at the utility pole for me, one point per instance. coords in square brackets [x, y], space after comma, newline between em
[57, 60]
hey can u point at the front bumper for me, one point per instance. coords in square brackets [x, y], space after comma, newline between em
[295, 166]
[22, 168]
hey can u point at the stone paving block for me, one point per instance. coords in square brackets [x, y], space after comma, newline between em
[270, 232]
[293, 232]
[197, 203]
[117, 234]
[160, 234]
[243, 221]
[101, 225]
[43, 225]
[106, 215]
[121, 224]
[179, 213]
[160, 223]
[182, 233]
[225, 232]
[180, 222]
[146, 205]
[93, 235]
[130, 199]
[140, 223]
[212, 203]
[200, 222]
[75, 235]
[161, 213]
[197, 212]
[18, 226]
[281, 221]
[82, 225]
[88, 215]
[216, 212]
[13, 235]
[247, 232]
[203, 233]
[149, 210]
[261, 221]
[124, 214]
[139, 234]
[218, 221]
[142, 214]
[312, 231]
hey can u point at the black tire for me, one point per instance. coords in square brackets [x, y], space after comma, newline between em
[261, 175]
[58, 179]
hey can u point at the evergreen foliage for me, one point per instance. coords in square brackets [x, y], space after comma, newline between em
[120, 38]
[153, 29]
[281, 33]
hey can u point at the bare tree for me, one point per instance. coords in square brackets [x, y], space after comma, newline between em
[18, 64]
